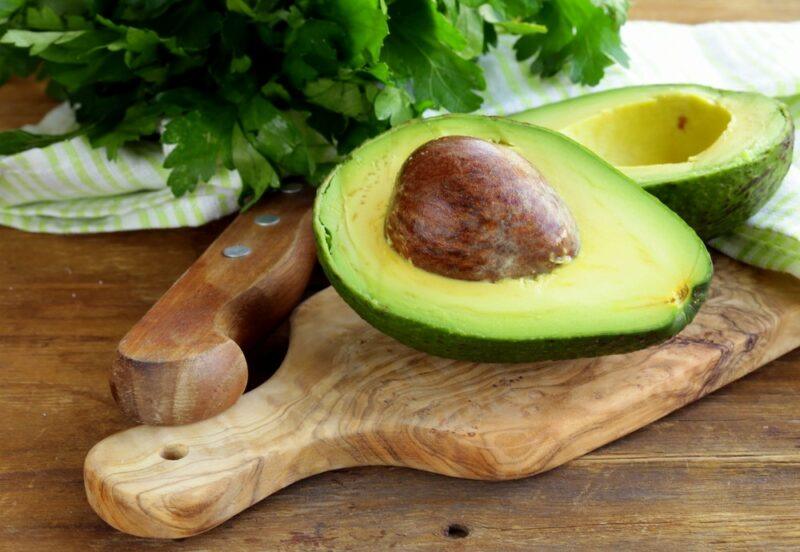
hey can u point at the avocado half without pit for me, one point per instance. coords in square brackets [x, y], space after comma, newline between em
[713, 156]
[490, 240]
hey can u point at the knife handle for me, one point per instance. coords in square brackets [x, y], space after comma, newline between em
[183, 361]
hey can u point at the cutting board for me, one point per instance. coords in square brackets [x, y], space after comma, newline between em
[347, 395]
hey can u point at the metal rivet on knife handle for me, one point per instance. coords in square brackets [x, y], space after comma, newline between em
[236, 251]
[267, 220]
[292, 188]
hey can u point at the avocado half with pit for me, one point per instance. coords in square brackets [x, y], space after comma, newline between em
[713, 156]
[492, 240]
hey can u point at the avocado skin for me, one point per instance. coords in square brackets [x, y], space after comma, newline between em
[440, 342]
[736, 192]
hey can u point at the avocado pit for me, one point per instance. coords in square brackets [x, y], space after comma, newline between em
[470, 209]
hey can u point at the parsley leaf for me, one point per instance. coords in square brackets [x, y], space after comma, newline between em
[581, 34]
[15, 141]
[202, 144]
[140, 120]
[416, 53]
[252, 167]
[275, 136]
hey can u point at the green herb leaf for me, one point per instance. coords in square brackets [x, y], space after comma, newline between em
[365, 26]
[15, 141]
[256, 172]
[581, 34]
[8, 7]
[520, 27]
[346, 98]
[393, 104]
[202, 141]
[275, 136]
[140, 120]
[438, 76]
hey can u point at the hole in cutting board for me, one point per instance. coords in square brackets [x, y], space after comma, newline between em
[456, 531]
[174, 452]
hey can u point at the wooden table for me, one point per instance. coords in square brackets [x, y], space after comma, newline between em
[723, 471]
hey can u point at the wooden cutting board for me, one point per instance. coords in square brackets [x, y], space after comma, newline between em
[347, 395]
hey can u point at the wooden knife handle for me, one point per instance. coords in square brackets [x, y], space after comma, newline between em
[183, 361]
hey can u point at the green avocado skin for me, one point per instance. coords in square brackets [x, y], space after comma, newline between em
[440, 342]
[718, 202]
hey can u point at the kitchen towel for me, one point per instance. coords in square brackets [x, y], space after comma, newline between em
[69, 187]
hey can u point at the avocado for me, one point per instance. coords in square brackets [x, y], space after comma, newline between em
[630, 272]
[713, 156]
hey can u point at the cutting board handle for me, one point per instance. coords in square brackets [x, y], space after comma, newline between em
[172, 482]
[183, 361]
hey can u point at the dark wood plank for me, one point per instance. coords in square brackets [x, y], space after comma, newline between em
[723, 471]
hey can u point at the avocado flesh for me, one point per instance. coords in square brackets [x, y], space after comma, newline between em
[713, 156]
[639, 277]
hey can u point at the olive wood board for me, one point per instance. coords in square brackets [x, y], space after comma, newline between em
[347, 395]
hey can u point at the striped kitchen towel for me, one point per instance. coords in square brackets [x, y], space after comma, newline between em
[70, 188]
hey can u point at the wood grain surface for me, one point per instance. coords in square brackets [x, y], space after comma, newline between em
[347, 395]
[183, 361]
[719, 473]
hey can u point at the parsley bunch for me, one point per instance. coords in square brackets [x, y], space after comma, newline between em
[277, 88]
